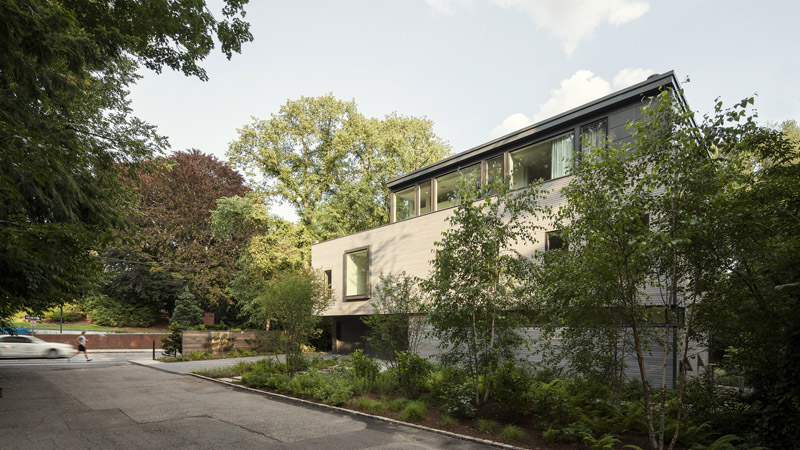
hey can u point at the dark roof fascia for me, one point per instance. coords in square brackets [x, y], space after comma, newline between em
[634, 92]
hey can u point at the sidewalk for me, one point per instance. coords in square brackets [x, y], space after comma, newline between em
[186, 367]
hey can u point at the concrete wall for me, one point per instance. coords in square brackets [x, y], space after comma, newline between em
[111, 341]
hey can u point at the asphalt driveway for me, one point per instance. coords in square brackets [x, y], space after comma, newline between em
[123, 405]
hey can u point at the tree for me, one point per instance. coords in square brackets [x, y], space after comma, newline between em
[478, 289]
[666, 247]
[293, 299]
[398, 321]
[66, 129]
[187, 312]
[331, 163]
[173, 220]
[275, 245]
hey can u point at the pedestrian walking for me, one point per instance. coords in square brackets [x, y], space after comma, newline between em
[82, 346]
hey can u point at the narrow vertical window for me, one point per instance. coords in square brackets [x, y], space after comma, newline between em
[328, 277]
[404, 202]
[356, 274]
[553, 241]
[424, 198]
[593, 136]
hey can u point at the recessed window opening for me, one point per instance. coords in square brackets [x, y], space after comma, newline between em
[356, 274]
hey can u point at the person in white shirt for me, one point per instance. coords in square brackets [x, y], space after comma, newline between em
[82, 346]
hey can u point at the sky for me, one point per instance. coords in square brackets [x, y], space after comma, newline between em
[478, 69]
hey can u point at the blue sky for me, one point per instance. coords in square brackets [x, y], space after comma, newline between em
[479, 68]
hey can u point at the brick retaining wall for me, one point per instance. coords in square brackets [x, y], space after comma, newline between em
[130, 341]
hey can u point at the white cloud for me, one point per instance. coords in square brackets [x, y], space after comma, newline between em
[582, 87]
[574, 21]
[629, 77]
[447, 7]
[512, 123]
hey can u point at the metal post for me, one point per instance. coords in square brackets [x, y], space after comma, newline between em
[61, 320]
[154, 349]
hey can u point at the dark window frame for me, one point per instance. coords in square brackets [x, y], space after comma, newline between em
[359, 297]
[556, 234]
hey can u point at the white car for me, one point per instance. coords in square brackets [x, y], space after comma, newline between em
[32, 347]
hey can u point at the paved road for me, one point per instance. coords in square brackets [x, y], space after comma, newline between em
[110, 403]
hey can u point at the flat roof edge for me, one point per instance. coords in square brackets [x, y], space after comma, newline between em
[654, 82]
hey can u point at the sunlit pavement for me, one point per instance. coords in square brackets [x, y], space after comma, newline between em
[110, 403]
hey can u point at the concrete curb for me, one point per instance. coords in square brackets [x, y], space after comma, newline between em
[323, 406]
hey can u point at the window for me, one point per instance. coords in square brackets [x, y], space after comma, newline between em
[446, 190]
[553, 241]
[494, 171]
[593, 136]
[328, 277]
[356, 274]
[472, 175]
[404, 202]
[424, 198]
[544, 160]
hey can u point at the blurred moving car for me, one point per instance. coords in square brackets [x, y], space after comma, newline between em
[32, 347]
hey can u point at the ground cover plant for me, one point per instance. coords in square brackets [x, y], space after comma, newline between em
[564, 411]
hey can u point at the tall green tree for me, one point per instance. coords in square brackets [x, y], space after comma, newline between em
[274, 245]
[66, 127]
[321, 156]
[478, 285]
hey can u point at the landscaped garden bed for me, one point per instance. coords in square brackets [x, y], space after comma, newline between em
[532, 410]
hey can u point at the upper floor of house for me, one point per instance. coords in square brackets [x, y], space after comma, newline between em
[542, 151]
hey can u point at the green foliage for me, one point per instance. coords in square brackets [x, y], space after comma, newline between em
[72, 313]
[293, 299]
[318, 146]
[551, 403]
[134, 278]
[414, 411]
[412, 373]
[173, 344]
[219, 372]
[104, 310]
[370, 405]
[511, 386]
[187, 312]
[397, 323]
[451, 388]
[605, 442]
[386, 383]
[488, 426]
[514, 433]
[399, 403]
[550, 435]
[67, 132]
[449, 420]
[198, 355]
[363, 365]
[478, 280]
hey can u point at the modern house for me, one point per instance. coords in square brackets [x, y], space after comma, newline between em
[422, 200]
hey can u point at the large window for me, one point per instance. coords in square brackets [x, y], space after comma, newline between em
[544, 160]
[356, 274]
[446, 190]
[424, 198]
[494, 171]
[404, 202]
